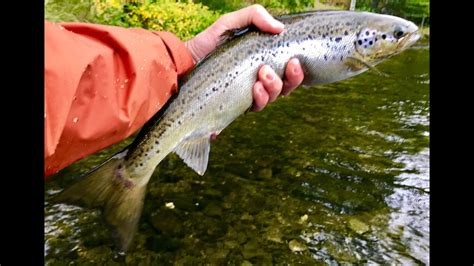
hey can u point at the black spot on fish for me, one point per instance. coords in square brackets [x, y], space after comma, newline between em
[373, 33]
[325, 58]
[200, 107]
[346, 33]
[179, 122]
[365, 46]
[226, 84]
[214, 89]
[192, 114]
[367, 33]
[371, 42]
[207, 94]
[359, 42]
[376, 39]
[341, 57]
[146, 154]
[365, 40]
[141, 164]
[324, 36]
[330, 39]
[156, 142]
[338, 39]
[221, 107]
[333, 57]
[263, 58]
[384, 36]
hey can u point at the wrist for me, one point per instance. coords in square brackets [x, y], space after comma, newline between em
[190, 46]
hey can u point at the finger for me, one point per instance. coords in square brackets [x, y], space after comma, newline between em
[293, 76]
[254, 14]
[271, 82]
[260, 97]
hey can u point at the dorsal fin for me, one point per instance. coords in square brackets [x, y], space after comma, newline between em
[231, 34]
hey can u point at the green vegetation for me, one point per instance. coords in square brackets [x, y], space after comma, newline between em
[417, 11]
[69, 10]
[187, 18]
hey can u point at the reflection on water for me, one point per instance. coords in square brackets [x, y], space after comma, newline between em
[332, 174]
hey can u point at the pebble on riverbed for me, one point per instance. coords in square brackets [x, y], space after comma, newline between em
[296, 246]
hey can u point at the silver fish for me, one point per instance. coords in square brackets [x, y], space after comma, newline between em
[331, 46]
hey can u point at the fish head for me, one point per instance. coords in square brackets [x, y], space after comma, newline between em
[382, 36]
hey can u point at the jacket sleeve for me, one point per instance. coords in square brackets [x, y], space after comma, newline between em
[102, 83]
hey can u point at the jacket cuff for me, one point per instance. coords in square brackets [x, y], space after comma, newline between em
[181, 56]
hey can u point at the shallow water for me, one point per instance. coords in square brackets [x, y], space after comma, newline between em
[335, 174]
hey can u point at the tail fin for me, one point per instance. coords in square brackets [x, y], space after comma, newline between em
[107, 186]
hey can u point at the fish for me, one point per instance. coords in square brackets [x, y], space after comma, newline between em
[330, 45]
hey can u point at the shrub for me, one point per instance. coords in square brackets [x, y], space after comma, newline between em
[185, 19]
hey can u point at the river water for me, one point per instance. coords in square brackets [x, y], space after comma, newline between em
[334, 174]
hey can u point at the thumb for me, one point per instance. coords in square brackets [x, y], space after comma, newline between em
[254, 14]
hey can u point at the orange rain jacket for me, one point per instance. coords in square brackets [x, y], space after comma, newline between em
[102, 83]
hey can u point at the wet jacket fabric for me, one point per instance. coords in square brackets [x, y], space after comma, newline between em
[102, 83]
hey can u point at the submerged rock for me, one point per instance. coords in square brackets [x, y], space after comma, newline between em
[297, 246]
[265, 173]
[358, 226]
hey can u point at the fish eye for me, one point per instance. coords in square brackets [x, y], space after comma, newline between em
[398, 33]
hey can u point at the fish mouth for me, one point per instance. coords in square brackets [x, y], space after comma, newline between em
[408, 40]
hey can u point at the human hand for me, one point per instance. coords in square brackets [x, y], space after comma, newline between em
[269, 85]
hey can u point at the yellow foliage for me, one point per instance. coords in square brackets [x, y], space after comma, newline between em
[185, 19]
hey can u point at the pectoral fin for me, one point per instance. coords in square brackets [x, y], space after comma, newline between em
[195, 153]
